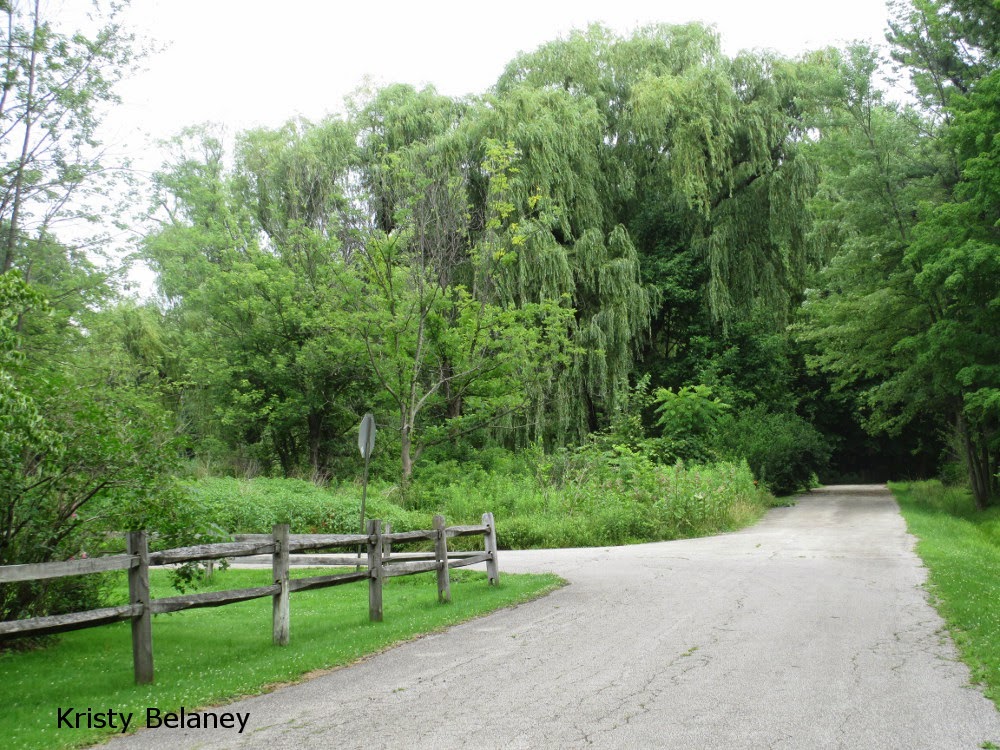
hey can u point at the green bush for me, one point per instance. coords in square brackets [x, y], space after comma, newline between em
[688, 420]
[783, 450]
[595, 495]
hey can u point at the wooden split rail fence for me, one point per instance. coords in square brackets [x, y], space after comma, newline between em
[379, 563]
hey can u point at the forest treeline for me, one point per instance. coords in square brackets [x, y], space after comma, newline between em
[631, 241]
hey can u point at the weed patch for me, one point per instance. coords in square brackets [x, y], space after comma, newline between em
[582, 498]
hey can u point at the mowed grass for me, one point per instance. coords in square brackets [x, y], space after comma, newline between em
[961, 549]
[208, 656]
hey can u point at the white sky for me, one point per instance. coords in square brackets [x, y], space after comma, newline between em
[247, 62]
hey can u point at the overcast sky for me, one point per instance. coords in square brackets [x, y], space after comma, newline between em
[248, 62]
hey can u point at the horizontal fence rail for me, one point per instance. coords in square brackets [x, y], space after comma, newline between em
[378, 563]
[41, 571]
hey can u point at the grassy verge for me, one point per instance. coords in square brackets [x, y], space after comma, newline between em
[207, 656]
[961, 549]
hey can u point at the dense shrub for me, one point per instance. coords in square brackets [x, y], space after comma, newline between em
[783, 450]
[688, 419]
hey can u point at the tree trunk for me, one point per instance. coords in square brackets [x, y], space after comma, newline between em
[404, 450]
[978, 464]
[452, 399]
[285, 449]
[315, 422]
[28, 120]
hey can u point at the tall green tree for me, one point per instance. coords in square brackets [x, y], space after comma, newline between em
[432, 346]
[906, 312]
[88, 444]
[656, 161]
[247, 261]
[945, 46]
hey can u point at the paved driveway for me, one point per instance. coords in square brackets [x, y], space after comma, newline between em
[809, 630]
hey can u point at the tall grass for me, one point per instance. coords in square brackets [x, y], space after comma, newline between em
[582, 498]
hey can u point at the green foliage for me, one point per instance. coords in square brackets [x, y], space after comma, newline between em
[87, 448]
[629, 498]
[22, 429]
[271, 370]
[946, 45]
[87, 443]
[56, 85]
[784, 451]
[694, 157]
[593, 496]
[254, 506]
[435, 348]
[587, 497]
[688, 420]
[493, 268]
[907, 311]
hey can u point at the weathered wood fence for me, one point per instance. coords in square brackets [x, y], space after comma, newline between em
[379, 563]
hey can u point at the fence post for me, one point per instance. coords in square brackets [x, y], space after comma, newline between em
[441, 555]
[375, 570]
[142, 624]
[490, 542]
[386, 543]
[280, 601]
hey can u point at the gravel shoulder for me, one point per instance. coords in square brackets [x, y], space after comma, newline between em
[809, 630]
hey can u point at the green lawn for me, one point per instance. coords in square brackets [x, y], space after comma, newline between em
[961, 549]
[208, 656]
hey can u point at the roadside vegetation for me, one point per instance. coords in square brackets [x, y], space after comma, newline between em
[961, 547]
[575, 500]
[206, 657]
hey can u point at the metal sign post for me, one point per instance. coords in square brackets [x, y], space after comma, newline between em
[366, 444]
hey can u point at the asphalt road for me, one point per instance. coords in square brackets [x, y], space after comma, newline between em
[809, 630]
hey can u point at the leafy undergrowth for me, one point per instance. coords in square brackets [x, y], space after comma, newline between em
[961, 548]
[207, 656]
[579, 499]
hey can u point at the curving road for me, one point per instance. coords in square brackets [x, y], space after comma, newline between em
[809, 630]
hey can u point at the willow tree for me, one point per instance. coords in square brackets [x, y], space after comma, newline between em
[569, 251]
[657, 136]
[686, 131]
[296, 182]
[726, 137]
[396, 128]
